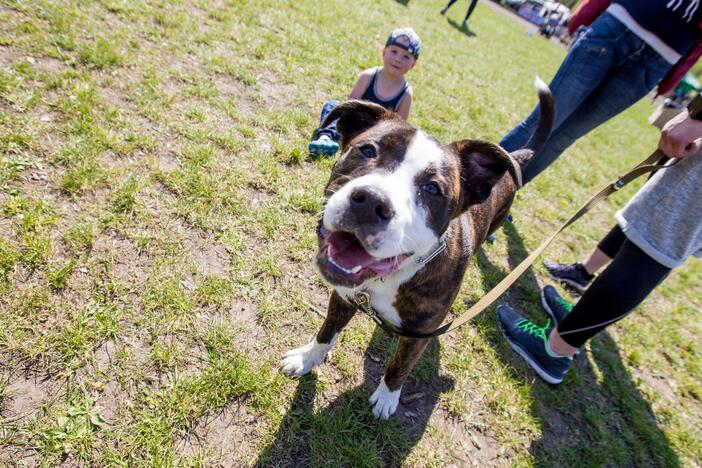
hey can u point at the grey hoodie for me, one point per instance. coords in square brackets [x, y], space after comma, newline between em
[664, 218]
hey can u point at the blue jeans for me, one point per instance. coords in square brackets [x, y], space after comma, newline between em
[329, 130]
[607, 70]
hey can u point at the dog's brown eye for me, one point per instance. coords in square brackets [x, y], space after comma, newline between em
[367, 150]
[432, 188]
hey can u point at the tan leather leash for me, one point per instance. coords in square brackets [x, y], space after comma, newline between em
[644, 167]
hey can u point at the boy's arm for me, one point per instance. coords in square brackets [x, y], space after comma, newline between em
[361, 84]
[405, 104]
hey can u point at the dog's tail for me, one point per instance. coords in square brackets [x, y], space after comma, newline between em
[547, 117]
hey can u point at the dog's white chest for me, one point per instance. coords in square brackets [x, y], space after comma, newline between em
[383, 293]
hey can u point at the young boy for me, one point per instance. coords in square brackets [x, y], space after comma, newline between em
[384, 85]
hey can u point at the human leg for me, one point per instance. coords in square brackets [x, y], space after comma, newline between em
[447, 6]
[583, 69]
[618, 290]
[579, 275]
[324, 139]
[624, 284]
[473, 3]
[605, 251]
[626, 83]
[330, 129]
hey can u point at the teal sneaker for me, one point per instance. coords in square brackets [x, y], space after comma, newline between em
[323, 146]
[529, 341]
[556, 307]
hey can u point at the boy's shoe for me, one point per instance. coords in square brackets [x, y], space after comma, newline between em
[323, 146]
[556, 307]
[572, 274]
[529, 341]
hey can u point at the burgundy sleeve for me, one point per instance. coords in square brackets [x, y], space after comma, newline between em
[586, 13]
[675, 74]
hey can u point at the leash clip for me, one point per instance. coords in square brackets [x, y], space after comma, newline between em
[618, 184]
[363, 301]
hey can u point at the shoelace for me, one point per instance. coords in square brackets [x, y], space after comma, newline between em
[533, 329]
[565, 304]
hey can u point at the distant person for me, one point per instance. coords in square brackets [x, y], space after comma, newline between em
[630, 46]
[384, 85]
[657, 230]
[468, 13]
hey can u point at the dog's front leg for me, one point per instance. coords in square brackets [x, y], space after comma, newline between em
[300, 361]
[387, 396]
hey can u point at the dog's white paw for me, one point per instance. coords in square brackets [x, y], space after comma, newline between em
[300, 361]
[384, 400]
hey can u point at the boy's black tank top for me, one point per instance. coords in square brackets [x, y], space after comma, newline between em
[392, 103]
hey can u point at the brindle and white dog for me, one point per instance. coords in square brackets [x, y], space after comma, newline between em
[394, 195]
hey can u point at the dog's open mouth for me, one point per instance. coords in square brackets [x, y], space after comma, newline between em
[343, 257]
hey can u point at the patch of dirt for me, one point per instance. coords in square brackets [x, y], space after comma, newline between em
[25, 394]
[96, 377]
[228, 437]
[276, 94]
[230, 88]
[209, 257]
[662, 387]
[167, 161]
[471, 446]
[48, 65]
[259, 196]
[127, 264]
[243, 317]
[6, 227]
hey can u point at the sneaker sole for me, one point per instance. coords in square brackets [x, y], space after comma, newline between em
[527, 357]
[321, 152]
[570, 283]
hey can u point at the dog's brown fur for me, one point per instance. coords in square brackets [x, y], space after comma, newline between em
[482, 182]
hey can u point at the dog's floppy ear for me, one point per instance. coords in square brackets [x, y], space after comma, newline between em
[482, 165]
[355, 117]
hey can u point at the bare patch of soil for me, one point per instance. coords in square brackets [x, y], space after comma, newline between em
[662, 386]
[276, 94]
[27, 393]
[128, 265]
[471, 446]
[230, 88]
[209, 257]
[228, 437]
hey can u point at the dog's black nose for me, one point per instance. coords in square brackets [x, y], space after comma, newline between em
[371, 206]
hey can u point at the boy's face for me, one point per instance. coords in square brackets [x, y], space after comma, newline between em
[397, 59]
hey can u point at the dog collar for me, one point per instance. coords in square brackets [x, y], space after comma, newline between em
[362, 299]
[438, 248]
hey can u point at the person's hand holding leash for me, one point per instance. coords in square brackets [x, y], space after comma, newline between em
[681, 136]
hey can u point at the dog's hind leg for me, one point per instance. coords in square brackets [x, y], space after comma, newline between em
[387, 396]
[300, 361]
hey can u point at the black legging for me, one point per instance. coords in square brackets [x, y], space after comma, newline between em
[618, 290]
[470, 8]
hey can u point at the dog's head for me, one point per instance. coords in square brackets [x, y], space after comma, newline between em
[394, 191]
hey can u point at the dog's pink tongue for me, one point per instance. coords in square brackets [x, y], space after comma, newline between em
[348, 252]
[345, 249]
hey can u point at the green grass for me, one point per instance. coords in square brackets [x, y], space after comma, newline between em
[157, 216]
